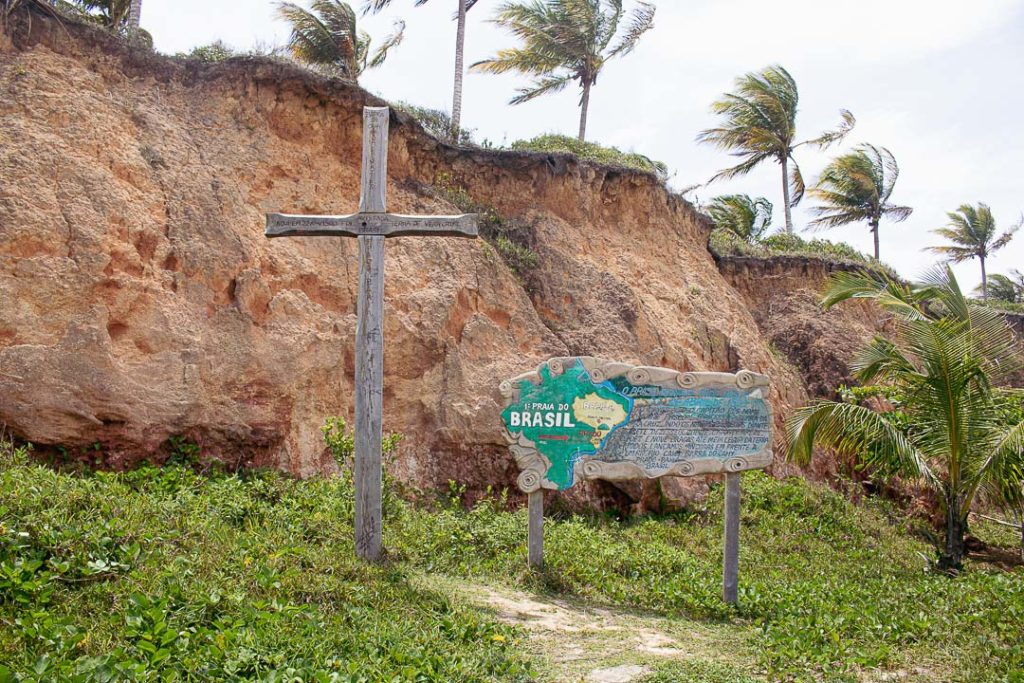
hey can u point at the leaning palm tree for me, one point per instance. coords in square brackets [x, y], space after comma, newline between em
[328, 39]
[460, 43]
[742, 215]
[946, 356]
[759, 123]
[565, 41]
[1009, 288]
[111, 14]
[972, 230]
[856, 187]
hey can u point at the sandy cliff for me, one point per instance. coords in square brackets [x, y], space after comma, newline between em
[141, 301]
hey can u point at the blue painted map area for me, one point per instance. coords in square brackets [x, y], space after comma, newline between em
[569, 416]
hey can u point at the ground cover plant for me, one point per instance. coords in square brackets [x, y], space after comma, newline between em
[165, 574]
[724, 243]
[592, 151]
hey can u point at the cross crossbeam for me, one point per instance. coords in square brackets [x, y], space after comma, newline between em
[371, 225]
[382, 224]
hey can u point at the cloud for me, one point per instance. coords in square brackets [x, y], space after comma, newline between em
[864, 31]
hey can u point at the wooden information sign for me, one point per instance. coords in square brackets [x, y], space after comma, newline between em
[585, 418]
[371, 225]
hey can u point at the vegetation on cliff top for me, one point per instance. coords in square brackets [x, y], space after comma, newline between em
[724, 243]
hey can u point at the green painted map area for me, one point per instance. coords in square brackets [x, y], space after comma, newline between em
[566, 416]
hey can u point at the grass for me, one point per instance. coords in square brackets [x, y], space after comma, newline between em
[511, 238]
[165, 574]
[726, 243]
[592, 151]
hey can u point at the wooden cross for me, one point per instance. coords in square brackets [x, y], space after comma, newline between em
[371, 225]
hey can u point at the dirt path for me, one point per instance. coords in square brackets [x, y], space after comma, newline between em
[574, 642]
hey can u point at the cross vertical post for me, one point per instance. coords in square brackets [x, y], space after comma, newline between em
[371, 226]
[370, 340]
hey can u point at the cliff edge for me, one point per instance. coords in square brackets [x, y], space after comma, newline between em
[142, 301]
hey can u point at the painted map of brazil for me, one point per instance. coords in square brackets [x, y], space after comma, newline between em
[567, 416]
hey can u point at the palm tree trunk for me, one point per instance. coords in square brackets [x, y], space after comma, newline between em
[460, 42]
[984, 281]
[1020, 523]
[952, 557]
[785, 195]
[584, 106]
[134, 16]
[874, 230]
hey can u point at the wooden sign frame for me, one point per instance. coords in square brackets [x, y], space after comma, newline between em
[534, 466]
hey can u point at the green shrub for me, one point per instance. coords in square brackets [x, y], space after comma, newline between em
[216, 51]
[726, 243]
[438, 123]
[591, 151]
[510, 238]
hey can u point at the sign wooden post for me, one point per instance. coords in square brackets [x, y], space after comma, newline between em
[371, 225]
[731, 537]
[581, 418]
[535, 531]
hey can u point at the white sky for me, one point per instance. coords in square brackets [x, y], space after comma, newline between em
[938, 82]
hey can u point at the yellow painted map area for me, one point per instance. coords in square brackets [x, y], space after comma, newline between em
[600, 413]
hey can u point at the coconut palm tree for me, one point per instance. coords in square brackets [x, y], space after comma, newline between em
[856, 187]
[748, 218]
[759, 123]
[944, 359]
[1008, 288]
[972, 230]
[328, 39]
[460, 43]
[565, 41]
[112, 14]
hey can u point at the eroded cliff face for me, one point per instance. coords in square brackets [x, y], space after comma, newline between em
[140, 299]
[783, 295]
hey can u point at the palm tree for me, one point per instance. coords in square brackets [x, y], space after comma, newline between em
[738, 213]
[972, 230]
[565, 41]
[760, 124]
[112, 14]
[460, 43]
[945, 358]
[328, 38]
[856, 187]
[1008, 288]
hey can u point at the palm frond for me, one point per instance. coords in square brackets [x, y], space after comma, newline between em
[796, 180]
[828, 138]
[542, 86]
[854, 429]
[325, 37]
[742, 215]
[741, 168]
[640, 22]
[901, 300]
[392, 40]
